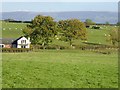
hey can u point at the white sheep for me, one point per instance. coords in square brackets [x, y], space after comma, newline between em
[105, 34]
[3, 28]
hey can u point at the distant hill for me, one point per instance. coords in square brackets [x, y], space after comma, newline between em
[98, 17]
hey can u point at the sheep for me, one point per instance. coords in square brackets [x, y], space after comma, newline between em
[3, 28]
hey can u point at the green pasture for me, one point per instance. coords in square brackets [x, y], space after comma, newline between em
[60, 69]
[99, 35]
[12, 30]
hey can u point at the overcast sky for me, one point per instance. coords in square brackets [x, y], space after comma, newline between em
[60, 6]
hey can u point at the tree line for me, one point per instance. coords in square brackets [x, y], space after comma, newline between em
[43, 29]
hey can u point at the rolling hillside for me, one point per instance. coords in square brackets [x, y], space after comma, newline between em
[14, 30]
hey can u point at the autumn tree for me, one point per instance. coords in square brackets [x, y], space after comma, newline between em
[41, 30]
[72, 29]
[113, 36]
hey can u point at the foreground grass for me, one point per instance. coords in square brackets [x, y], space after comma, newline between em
[60, 69]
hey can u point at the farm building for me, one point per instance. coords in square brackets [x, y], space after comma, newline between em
[21, 42]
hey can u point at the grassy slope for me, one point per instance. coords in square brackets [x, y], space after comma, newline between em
[13, 32]
[95, 36]
[98, 36]
[67, 68]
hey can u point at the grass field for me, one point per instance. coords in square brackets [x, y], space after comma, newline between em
[60, 69]
[12, 30]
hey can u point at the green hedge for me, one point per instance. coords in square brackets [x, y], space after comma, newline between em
[50, 47]
[58, 47]
[16, 49]
[82, 47]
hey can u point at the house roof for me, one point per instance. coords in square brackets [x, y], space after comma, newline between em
[9, 40]
[6, 40]
[15, 41]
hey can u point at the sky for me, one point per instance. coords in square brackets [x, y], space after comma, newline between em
[59, 6]
[59, 0]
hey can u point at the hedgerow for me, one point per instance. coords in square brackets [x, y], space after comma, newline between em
[16, 49]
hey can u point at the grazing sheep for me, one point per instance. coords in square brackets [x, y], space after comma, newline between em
[105, 34]
[57, 38]
[3, 28]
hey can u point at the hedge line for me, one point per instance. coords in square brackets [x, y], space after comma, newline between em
[57, 47]
[83, 47]
[50, 47]
[16, 49]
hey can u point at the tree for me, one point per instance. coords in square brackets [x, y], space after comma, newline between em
[41, 30]
[89, 22]
[113, 36]
[72, 29]
[27, 31]
[107, 23]
[118, 24]
[8, 20]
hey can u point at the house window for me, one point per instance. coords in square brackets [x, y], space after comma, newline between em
[23, 46]
[23, 41]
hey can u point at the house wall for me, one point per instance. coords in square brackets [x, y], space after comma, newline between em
[14, 46]
[2, 45]
[18, 46]
[8, 46]
[26, 44]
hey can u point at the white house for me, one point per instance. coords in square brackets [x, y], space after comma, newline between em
[21, 42]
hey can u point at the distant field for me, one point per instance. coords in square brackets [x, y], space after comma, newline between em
[60, 69]
[14, 30]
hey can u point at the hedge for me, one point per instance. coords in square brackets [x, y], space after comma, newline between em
[16, 49]
[50, 47]
[58, 47]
